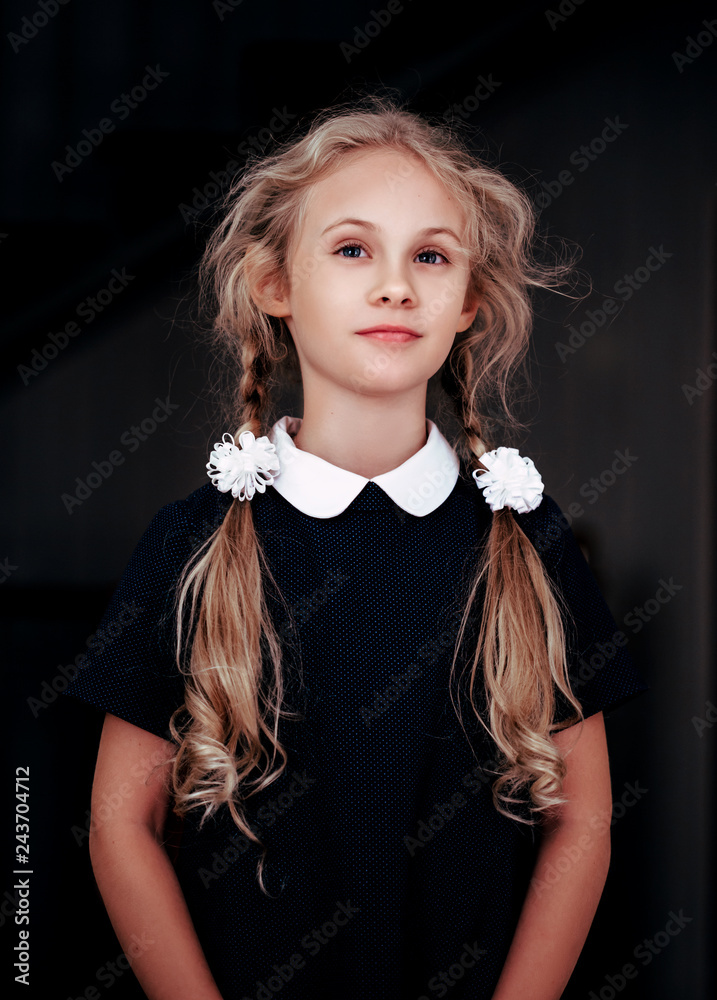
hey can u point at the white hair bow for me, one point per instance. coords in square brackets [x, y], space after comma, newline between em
[244, 469]
[510, 480]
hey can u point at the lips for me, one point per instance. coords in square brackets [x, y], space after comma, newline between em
[390, 331]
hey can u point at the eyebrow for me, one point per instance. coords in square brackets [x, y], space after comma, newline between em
[428, 231]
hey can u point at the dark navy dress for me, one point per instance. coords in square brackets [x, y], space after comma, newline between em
[391, 874]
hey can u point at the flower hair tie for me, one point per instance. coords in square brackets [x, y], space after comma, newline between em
[244, 469]
[510, 480]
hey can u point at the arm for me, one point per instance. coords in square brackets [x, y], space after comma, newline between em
[562, 900]
[133, 871]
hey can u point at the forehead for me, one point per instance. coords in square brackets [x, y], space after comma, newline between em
[380, 185]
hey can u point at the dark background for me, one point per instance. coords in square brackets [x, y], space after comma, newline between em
[623, 390]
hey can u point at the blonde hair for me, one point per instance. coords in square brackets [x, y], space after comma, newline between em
[231, 702]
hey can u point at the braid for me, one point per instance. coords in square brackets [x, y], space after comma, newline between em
[521, 640]
[253, 391]
[232, 713]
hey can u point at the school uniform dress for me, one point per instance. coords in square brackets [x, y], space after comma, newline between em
[392, 876]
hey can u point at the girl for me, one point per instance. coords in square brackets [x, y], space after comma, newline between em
[354, 728]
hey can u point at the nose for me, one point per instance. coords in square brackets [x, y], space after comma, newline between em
[393, 284]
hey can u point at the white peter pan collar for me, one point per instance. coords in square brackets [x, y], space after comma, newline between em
[318, 488]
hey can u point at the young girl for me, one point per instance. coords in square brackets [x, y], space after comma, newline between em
[354, 744]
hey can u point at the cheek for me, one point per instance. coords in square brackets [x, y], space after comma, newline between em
[443, 349]
[442, 300]
[305, 263]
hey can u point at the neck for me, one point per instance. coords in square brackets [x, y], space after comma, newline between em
[367, 435]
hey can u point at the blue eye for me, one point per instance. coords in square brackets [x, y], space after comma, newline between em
[349, 246]
[432, 253]
[422, 253]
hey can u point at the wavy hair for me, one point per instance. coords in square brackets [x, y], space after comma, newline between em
[228, 742]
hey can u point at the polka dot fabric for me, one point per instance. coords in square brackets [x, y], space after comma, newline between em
[391, 874]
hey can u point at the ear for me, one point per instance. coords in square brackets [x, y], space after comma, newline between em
[268, 297]
[469, 314]
[266, 290]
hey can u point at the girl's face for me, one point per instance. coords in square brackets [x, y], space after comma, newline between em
[379, 247]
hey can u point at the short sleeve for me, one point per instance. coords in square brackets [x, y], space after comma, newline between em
[601, 670]
[130, 668]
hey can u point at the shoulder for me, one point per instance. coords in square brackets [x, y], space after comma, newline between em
[180, 526]
[198, 514]
[548, 529]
